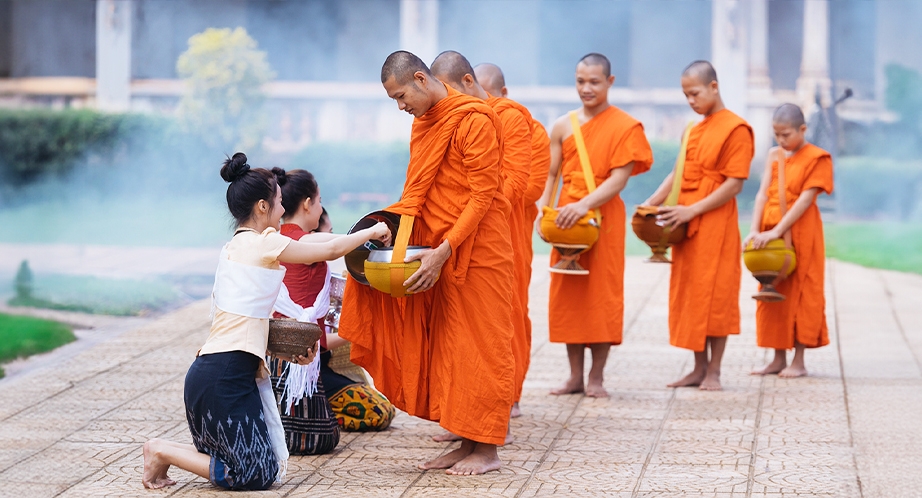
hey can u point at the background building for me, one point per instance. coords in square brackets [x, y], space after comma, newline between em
[121, 54]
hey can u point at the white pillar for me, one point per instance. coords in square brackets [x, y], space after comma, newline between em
[729, 51]
[760, 101]
[758, 45]
[113, 54]
[419, 28]
[814, 66]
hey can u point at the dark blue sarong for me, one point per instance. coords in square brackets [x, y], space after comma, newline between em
[225, 416]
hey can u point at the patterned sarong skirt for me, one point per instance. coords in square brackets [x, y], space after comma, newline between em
[225, 416]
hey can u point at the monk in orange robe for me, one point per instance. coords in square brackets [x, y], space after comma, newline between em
[588, 310]
[454, 70]
[704, 285]
[520, 155]
[444, 353]
[799, 321]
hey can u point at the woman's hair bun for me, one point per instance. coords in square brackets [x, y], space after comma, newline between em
[280, 177]
[235, 167]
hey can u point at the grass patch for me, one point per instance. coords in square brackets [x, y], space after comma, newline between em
[887, 245]
[108, 296]
[22, 336]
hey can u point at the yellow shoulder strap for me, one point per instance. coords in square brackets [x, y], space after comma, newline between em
[400, 253]
[588, 175]
[673, 197]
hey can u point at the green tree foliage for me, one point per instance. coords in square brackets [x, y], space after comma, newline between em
[224, 73]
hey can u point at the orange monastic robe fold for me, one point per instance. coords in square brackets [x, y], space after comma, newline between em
[517, 152]
[446, 354]
[589, 309]
[801, 317]
[704, 285]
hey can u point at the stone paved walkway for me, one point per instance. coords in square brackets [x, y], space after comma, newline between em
[852, 429]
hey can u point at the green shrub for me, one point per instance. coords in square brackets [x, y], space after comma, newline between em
[41, 142]
[867, 187]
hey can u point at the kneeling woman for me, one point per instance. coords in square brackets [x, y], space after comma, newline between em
[235, 425]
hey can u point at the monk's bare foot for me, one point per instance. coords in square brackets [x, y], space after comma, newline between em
[711, 382]
[691, 380]
[451, 458]
[155, 469]
[571, 386]
[772, 368]
[482, 460]
[594, 390]
[516, 412]
[792, 372]
[446, 437]
[509, 438]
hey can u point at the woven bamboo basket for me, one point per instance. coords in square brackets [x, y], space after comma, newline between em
[291, 337]
[341, 364]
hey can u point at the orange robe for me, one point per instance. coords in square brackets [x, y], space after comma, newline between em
[446, 354]
[589, 309]
[516, 161]
[704, 286]
[801, 317]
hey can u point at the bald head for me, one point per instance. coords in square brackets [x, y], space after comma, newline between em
[450, 67]
[595, 59]
[491, 78]
[790, 115]
[402, 65]
[703, 71]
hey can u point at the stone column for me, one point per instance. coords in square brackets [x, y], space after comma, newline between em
[760, 101]
[729, 51]
[419, 28]
[113, 54]
[814, 66]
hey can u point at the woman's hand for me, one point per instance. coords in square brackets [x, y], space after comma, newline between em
[381, 232]
[306, 359]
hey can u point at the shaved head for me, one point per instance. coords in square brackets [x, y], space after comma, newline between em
[789, 114]
[595, 59]
[703, 71]
[491, 78]
[450, 67]
[402, 65]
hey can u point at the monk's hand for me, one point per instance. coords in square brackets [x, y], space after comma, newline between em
[431, 262]
[568, 215]
[673, 216]
[752, 234]
[760, 239]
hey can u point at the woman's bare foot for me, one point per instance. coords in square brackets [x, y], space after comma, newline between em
[711, 382]
[451, 458]
[691, 380]
[571, 386]
[516, 412]
[594, 390]
[155, 469]
[772, 368]
[792, 372]
[446, 437]
[482, 460]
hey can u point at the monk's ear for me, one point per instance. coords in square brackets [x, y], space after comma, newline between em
[714, 86]
[611, 80]
[467, 80]
[803, 129]
[504, 92]
[420, 78]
